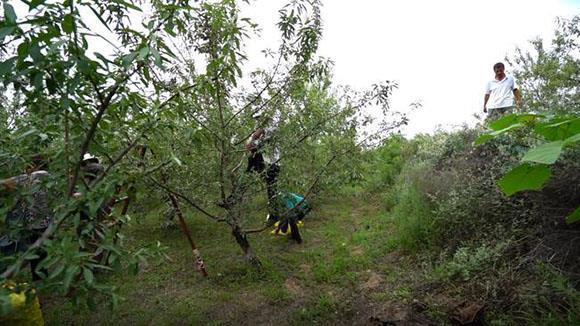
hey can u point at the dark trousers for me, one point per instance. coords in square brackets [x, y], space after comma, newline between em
[269, 173]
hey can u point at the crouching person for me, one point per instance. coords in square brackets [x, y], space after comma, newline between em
[296, 207]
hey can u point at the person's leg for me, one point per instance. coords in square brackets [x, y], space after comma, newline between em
[272, 191]
[294, 232]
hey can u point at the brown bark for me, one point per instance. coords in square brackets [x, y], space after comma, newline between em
[242, 240]
[199, 264]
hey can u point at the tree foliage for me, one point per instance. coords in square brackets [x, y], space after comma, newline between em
[167, 105]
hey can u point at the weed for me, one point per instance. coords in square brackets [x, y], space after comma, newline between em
[467, 262]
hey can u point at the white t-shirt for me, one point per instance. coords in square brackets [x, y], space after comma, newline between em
[501, 92]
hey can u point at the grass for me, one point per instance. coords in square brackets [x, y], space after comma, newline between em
[318, 281]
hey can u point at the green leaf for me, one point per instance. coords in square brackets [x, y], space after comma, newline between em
[7, 66]
[483, 139]
[34, 51]
[26, 134]
[574, 217]
[156, 57]
[88, 275]
[572, 140]
[9, 13]
[69, 275]
[546, 153]
[176, 159]
[559, 128]
[128, 59]
[35, 3]
[22, 50]
[5, 31]
[56, 272]
[68, 24]
[511, 119]
[524, 177]
[486, 137]
[143, 52]
[38, 82]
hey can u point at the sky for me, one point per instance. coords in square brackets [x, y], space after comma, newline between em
[441, 53]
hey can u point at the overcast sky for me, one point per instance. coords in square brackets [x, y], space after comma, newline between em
[440, 52]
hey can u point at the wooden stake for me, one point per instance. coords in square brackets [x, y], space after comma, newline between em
[200, 266]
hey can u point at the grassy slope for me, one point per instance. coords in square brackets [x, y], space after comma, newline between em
[342, 274]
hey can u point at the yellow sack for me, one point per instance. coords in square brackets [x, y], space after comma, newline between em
[23, 313]
[277, 230]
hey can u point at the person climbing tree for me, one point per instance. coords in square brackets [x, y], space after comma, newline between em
[264, 157]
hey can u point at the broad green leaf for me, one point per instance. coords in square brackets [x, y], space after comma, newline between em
[572, 140]
[511, 119]
[546, 153]
[9, 13]
[559, 129]
[5, 31]
[68, 23]
[524, 177]
[574, 217]
[485, 137]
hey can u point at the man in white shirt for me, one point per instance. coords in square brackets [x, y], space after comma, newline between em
[500, 93]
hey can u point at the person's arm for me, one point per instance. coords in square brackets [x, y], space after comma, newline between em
[485, 99]
[255, 140]
[10, 184]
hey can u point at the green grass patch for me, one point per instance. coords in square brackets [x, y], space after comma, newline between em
[343, 237]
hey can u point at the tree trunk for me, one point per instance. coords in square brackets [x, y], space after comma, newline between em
[242, 240]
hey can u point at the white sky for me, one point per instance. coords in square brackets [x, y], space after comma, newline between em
[440, 52]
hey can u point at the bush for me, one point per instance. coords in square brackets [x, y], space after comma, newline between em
[411, 215]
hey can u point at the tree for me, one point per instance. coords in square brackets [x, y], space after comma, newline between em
[168, 123]
[317, 127]
[550, 77]
[72, 102]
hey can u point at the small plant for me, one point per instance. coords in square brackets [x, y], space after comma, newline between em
[467, 262]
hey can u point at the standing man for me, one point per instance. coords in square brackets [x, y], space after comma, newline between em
[500, 93]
